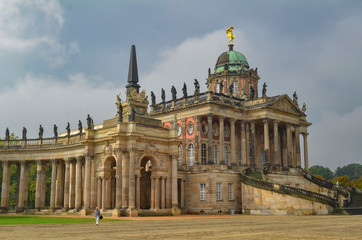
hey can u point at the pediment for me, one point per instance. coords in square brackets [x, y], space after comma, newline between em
[286, 105]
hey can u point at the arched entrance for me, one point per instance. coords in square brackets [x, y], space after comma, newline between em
[145, 183]
[110, 178]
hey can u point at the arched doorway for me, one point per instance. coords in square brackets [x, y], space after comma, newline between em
[145, 182]
[110, 178]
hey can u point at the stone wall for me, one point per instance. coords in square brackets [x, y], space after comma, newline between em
[211, 205]
[262, 202]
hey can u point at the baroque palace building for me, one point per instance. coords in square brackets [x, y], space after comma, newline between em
[226, 150]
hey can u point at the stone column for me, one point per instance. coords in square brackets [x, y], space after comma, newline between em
[232, 141]
[157, 192]
[182, 193]
[138, 191]
[152, 192]
[124, 180]
[297, 143]
[253, 144]
[197, 149]
[163, 192]
[93, 201]
[38, 184]
[266, 140]
[118, 180]
[174, 181]
[5, 190]
[53, 183]
[22, 185]
[99, 193]
[43, 185]
[108, 192]
[87, 179]
[209, 140]
[243, 144]
[306, 161]
[78, 187]
[72, 184]
[289, 145]
[248, 143]
[104, 191]
[183, 134]
[58, 200]
[221, 137]
[66, 183]
[132, 187]
[276, 144]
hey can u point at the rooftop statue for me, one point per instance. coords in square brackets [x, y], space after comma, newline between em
[174, 93]
[252, 93]
[295, 98]
[221, 85]
[197, 87]
[163, 96]
[41, 131]
[80, 127]
[304, 108]
[120, 113]
[184, 90]
[153, 99]
[24, 133]
[55, 129]
[68, 129]
[264, 90]
[229, 33]
[231, 89]
[7, 134]
[90, 122]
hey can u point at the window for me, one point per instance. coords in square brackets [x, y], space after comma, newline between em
[230, 191]
[226, 155]
[190, 128]
[218, 192]
[191, 155]
[204, 128]
[214, 154]
[239, 157]
[203, 154]
[179, 157]
[236, 87]
[179, 130]
[217, 88]
[226, 132]
[202, 191]
[215, 130]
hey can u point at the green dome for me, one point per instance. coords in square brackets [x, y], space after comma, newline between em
[232, 59]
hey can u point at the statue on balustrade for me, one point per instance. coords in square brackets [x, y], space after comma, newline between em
[55, 130]
[68, 130]
[295, 98]
[252, 93]
[184, 90]
[163, 96]
[264, 90]
[231, 89]
[7, 134]
[24, 133]
[304, 108]
[153, 99]
[41, 131]
[174, 93]
[80, 127]
[120, 112]
[197, 87]
[90, 124]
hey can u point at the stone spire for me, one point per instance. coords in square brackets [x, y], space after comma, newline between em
[132, 72]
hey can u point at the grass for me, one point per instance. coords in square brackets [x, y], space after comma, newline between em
[16, 220]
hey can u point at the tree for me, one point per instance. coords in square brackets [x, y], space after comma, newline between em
[353, 170]
[357, 183]
[323, 171]
[342, 180]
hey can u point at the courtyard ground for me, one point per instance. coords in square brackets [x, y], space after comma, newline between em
[198, 227]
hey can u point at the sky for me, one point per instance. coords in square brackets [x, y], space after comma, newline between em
[62, 60]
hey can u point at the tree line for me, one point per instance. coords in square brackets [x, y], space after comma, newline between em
[350, 175]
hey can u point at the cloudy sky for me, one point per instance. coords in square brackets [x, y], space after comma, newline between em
[60, 60]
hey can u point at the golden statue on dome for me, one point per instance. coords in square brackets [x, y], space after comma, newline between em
[229, 33]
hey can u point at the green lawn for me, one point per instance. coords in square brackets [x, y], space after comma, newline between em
[15, 220]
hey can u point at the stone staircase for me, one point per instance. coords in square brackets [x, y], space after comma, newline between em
[355, 206]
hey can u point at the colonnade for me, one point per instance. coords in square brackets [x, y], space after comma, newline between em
[278, 142]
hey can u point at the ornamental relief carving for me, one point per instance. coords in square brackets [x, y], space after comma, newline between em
[284, 106]
[108, 149]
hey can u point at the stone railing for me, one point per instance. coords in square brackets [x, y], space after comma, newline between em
[44, 142]
[296, 192]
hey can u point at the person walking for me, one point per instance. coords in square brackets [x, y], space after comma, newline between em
[97, 215]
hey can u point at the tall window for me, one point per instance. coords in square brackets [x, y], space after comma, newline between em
[179, 157]
[191, 155]
[226, 155]
[236, 87]
[239, 157]
[214, 154]
[217, 88]
[218, 191]
[202, 191]
[203, 154]
[230, 191]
